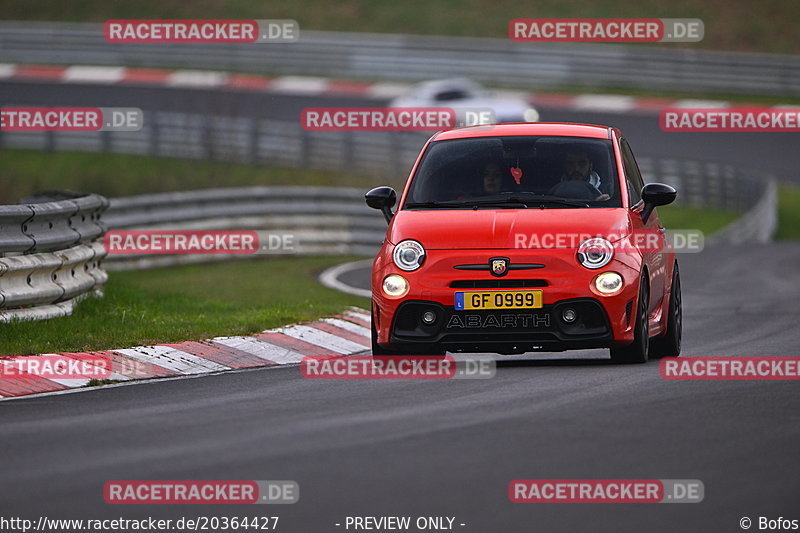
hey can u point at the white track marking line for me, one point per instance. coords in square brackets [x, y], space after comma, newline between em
[330, 278]
[349, 326]
[321, 338]
[197, 78]
[388, 90]
[7, 70]
[261, 349]
[94, 74]
[299, 85]
[702, 104]
[172, 359]
[358, 315]
[359, 311]
[604, 102]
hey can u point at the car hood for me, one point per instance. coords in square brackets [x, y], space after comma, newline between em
[445, 229]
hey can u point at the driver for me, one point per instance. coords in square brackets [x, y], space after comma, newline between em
[578, 167]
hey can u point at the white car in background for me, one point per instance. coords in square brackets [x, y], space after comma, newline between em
[463, 95]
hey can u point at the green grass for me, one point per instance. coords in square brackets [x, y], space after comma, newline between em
[788, 212]
[706, 220]
[186, 303]
[763, 26]
[23, 172]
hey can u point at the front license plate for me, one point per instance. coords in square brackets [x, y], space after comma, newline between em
[498, 300]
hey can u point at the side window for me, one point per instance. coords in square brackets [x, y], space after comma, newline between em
[635, 181]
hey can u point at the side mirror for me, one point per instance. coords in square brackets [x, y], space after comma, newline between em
[382, 198]
[655, 194]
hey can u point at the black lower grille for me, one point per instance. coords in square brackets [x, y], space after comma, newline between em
[497, 283]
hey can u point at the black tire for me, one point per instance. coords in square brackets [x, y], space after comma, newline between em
[669, 345]
[377, 350]
[637, 351]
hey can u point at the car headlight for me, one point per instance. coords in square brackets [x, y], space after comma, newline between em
[395, 286]
[595, 253]
[531, 115]
[608, 283]
[408, 255]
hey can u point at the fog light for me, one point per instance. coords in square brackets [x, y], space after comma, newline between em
[608, 283]
[429, 317]
[395, 286]
[569, 315]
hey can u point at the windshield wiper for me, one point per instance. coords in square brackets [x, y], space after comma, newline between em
[457, 203]
[558, 201]
[527, 201]
[497, 201]
[542, 199]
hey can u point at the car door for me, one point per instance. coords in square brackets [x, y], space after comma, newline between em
[653, 229]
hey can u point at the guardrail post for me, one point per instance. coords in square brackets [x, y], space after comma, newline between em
[208, 139]
[50, 141]
[154, 131]
[105, 141]
[253, 142]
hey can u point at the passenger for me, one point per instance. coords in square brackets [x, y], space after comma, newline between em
[492, 178]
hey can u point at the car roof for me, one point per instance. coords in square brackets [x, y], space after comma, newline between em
[556, 129]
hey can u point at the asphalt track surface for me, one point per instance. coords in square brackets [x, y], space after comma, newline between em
[450, 448]
[773, 152]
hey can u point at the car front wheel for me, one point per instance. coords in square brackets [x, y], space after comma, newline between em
[636, 352]
[670, 344]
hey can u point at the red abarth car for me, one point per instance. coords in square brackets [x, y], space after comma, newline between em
[515, 238]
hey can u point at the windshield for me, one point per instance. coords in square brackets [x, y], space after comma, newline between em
[516, 172]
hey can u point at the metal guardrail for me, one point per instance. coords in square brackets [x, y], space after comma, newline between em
[758, 224]
[386, 155]
[722, 186]
[40, 224]
[418, 57]
[49, 254]
[321, 220]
